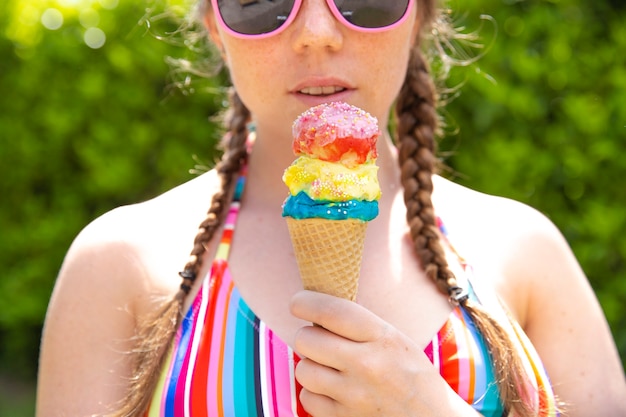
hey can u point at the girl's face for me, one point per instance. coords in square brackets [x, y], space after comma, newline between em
[316, 59]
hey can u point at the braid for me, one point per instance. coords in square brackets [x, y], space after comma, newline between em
[416, 129]
[155, 335]
[417, 125]
[234, 158]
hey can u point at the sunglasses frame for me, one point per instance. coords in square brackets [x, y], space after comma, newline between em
[294, 12]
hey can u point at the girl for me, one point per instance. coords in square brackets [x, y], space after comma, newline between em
[468, 304]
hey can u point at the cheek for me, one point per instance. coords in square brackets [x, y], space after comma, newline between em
[388, 72]
[246, 68]
[395, 69]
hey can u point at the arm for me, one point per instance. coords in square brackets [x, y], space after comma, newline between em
[84, 363]
[565, 322]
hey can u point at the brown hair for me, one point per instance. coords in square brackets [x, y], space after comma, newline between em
[417, 128]
[416, 131]
[154, 336]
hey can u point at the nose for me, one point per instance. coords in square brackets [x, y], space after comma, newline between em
[315, 27]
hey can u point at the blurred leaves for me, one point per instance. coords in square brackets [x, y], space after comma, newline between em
[82, 130]
[551, 131]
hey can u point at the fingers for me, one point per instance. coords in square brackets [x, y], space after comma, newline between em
[316, 378]
[317, 405]
[347, 360]
[324, 391]
[322, 346]
[342, 317]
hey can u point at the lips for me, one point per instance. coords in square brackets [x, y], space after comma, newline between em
[321, 90]
[312, 90]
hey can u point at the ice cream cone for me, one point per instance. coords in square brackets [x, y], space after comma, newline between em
[333, 194]
[329, 254]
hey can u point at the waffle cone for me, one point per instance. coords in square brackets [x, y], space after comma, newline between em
[329, 254]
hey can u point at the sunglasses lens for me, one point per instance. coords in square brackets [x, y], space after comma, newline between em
[254, 17]
[372, 14]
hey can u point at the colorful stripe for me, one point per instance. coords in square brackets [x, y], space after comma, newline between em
[225, 362]
[546, 401]
[477, 373]
[246, 367]
[459, 352]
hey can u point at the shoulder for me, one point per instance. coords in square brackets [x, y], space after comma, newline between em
[117, 269]
[492, 221]
[137, 249]
[515, 247]
[522, 255]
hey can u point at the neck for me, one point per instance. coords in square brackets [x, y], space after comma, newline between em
[270, 156]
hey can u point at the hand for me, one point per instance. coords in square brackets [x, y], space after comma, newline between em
[356, 364]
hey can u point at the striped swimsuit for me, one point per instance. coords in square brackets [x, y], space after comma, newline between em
[225, 362]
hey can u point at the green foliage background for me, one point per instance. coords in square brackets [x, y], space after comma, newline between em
[541, 118]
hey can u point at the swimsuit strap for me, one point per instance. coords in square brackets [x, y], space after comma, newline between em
[486, 296]
[463, 281]
[223, 248]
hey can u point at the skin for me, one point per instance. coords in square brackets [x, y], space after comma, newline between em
[123, 261]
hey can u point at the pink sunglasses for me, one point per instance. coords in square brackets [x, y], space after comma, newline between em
[256, 19]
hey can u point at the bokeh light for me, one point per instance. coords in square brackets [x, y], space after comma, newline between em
[95, 38]
[52, 19]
